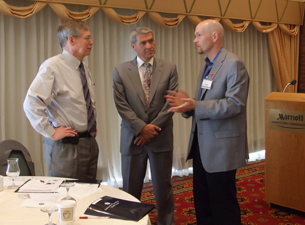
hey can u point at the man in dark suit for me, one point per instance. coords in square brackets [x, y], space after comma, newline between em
[218, 141]
[147, 126]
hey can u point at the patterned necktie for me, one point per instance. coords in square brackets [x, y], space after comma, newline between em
[147, 82]
[90, 112]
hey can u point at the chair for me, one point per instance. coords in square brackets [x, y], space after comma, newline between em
[14, 149]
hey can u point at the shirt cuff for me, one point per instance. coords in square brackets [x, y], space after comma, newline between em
[49, 131]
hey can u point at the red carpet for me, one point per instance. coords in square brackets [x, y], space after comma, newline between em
[251, 196]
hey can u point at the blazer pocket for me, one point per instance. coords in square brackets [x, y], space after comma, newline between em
[227, 134]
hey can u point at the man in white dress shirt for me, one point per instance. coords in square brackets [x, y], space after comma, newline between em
[60, 105]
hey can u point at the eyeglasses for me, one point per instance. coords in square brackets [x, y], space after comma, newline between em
[87, 38]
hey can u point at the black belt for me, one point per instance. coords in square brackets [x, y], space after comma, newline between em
[84, 135]
[74, 140]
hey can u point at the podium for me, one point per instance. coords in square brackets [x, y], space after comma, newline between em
[285, 150]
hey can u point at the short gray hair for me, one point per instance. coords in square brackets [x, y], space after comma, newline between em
[139, 30]
[70, 27]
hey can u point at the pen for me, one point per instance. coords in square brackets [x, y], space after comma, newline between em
[41, 181]
[94, 217]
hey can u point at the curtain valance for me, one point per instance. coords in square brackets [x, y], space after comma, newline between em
[267, 11]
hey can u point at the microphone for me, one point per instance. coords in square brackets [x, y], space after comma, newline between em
[292, 83]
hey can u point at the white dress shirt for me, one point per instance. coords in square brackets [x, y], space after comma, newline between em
[55, 97]
[142, 68]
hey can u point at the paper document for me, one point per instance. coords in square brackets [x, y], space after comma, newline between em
[41, 185]
[42, 200]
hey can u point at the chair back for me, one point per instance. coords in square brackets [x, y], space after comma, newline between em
[14, 149]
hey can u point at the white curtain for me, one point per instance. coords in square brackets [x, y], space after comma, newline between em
[26, 43]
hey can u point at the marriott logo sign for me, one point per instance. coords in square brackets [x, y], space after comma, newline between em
[287, 120]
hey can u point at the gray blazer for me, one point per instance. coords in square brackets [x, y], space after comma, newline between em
[220, 116]
[130, 102]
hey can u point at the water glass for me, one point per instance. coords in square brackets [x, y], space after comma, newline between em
[50, 211]
[12, 170]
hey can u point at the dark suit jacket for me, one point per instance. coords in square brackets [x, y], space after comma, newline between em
[130, 102]
[220, 115]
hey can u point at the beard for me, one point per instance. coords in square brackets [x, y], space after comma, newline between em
[199, 51]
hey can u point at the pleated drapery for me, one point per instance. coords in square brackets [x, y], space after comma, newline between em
[284, 49]
[284, 52]
[26, 43]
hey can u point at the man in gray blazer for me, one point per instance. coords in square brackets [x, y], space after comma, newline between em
[218, 141]
[147, 126]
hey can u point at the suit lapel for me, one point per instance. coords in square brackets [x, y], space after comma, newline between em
[218, 64]
[213, 73]
[134, 76]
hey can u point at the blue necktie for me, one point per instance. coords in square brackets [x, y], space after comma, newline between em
[90, 112]
[208, 68]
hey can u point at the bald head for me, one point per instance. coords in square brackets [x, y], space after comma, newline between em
[213, 26]
[209, 37]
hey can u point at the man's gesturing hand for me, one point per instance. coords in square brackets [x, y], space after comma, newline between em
[181, 102]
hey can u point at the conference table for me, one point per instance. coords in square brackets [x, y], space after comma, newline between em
[13, 211]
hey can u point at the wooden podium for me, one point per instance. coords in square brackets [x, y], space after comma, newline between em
[285, 150]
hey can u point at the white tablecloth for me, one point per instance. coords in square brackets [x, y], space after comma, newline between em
[12, 213]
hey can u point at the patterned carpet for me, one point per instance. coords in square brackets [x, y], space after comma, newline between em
[251, 194]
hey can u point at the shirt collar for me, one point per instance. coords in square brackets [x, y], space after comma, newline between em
[71, 58]
[207, 60]
[140, 62]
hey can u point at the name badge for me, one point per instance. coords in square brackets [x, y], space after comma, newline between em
[206, 84]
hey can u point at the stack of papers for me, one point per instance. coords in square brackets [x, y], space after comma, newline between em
[81, 190]
[40, 185]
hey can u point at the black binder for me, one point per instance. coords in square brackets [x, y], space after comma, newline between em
[118, 208]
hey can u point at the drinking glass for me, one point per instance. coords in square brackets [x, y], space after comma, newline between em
[68, 185]
[12, 170]
[49, 210]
